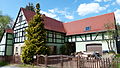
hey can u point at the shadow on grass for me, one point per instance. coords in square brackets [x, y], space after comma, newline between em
[3, 63]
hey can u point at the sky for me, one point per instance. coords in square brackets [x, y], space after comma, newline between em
[64, 10]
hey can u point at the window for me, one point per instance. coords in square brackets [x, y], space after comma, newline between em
[10, 36]
[9, 41]
[87, 28]
[16, 49]
[20, 18]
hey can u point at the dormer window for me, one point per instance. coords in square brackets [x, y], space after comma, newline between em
[87, 28]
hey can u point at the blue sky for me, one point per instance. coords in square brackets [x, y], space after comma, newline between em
[64, 10]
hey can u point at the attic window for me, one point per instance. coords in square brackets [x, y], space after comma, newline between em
[87, 28]
[20, 18]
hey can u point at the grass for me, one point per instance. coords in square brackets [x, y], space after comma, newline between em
[117, 55]
[3, 63]
[31, 66]
[27, 66]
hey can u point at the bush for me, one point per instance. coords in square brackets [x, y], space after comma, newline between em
[30, 50]
[66, 49]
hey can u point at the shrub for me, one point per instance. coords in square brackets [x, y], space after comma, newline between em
[66, 49]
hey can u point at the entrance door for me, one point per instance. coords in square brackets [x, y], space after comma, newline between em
[94, 47]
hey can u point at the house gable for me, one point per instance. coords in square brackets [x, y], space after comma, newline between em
[19, 27]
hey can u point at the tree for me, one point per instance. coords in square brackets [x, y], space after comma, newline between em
[36, 38]
[111, 35]
[4, 21]
[30, 6]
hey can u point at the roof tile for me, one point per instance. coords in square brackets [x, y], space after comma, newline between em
[96, 24]
[50, 24]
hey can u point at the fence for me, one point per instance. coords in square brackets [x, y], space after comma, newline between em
[9, 59]
[63, 61]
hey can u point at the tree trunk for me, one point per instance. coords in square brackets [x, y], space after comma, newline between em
[108, 45]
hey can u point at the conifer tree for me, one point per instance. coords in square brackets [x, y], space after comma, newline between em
[30, 7]
[36, 38]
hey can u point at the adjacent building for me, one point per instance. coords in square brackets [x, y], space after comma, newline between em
[87, 34]
[7, 43]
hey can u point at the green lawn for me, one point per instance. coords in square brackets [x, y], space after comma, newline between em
[117, 55]
[27, 66]
[2, 63]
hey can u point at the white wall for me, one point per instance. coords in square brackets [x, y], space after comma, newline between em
[3, 41]
[19, 46]
[81, 46]
[2, 47]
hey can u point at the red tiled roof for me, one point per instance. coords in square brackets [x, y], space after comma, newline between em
[8, 30]
[50, 24]
[96, 24]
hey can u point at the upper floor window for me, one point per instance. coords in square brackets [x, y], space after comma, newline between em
[87, 28]
[20, 18]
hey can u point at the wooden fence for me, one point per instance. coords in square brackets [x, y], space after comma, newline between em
[63, 61]
[73, 62]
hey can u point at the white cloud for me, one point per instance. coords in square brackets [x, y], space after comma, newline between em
[106, 0]
[118, 2]
[117, 15]
[69, 17]
[84, 9]
[113, 3]
[57, 18]
[102, 0]
[107, 5]
[64, 13]
[49, 14]
[98, 0]
[53, 10]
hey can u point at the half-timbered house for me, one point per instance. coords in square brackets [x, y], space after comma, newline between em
[87, 34]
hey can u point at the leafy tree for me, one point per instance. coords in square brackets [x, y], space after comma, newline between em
[36, 38]
[30, 6]
[4, 21]
[111, 35]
